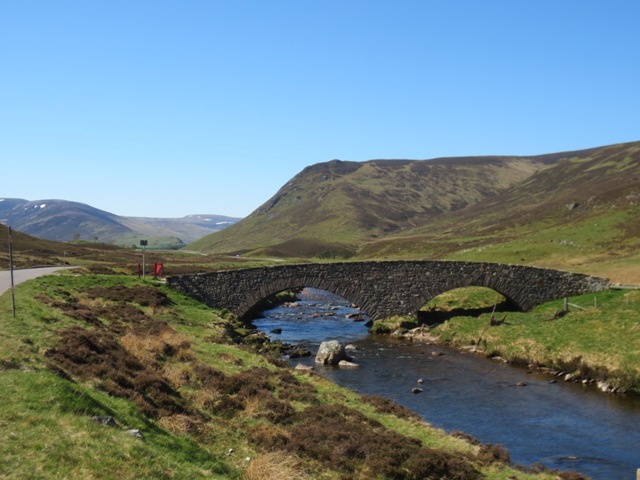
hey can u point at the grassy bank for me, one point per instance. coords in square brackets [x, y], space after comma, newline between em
[598, 339]
[94, 349]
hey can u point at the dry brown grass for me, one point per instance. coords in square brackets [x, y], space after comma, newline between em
[270, 437]
[206, 398]
[275, 466]
[253, 407]
[149, 349]
[91, 303]
[182, 425]
[178, 374]
[230, 358]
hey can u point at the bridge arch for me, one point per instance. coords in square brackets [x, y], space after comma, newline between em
[513, 295]
[384, 288]
[255, 299]
[464, 301]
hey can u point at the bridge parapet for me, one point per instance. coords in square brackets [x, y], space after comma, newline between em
[384, 288]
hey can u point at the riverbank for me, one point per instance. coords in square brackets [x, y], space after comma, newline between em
[105, 373]
[595, 342]
[583, 430]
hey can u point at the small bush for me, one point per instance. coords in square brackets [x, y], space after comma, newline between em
[465, 436]
[494, 454]
[379, 328]
[277, 411]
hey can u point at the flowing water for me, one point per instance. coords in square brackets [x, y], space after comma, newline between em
[561, 425]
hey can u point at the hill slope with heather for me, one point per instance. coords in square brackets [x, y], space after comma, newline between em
[578, 214]
[572, 210]
[330, 208]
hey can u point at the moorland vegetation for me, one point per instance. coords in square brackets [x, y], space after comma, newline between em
[108, 376]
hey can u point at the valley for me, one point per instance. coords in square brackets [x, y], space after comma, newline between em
[199, 384]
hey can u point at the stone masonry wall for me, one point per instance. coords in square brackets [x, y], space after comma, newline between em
[384, 288]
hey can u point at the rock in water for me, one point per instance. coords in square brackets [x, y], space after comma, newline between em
[346, 364]
[331, 352]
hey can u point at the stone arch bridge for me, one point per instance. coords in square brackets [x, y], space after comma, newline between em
[384, 288]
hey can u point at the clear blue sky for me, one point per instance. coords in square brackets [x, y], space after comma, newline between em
[168, 108]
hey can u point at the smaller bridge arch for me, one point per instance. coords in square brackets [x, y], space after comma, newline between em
[384, 288]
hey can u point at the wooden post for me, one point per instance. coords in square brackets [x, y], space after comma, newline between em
[566, 304]
[13, 297]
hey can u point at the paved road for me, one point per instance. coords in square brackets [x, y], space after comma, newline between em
[23, 275]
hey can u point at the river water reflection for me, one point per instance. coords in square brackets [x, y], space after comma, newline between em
[561, 425]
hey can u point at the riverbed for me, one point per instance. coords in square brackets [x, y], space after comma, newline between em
[560, 425]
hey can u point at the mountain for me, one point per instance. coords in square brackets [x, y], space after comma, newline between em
[330, 208]
[580, 213]
[28, 251]
[64, 221]
[451, 207]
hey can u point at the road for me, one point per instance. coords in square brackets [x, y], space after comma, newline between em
[23, 275]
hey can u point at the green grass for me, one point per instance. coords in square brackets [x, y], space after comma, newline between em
[178, 377]
[467, 297]
[46, 431]
[601, 340]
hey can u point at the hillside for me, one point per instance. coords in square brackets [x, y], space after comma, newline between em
[578, 214]
[330, 208]
[112, 377]
[65, 221]
[572, 210]
[104, 258]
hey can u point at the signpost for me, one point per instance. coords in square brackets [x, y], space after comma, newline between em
[143, 243]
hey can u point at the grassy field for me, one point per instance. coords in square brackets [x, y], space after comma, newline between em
[90, 347]
[598, 339]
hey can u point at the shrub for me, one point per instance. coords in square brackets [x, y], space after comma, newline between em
[494, 454]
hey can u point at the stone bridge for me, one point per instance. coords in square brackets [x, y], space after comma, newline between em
[384, 288]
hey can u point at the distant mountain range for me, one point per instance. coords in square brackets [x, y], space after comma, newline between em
[580, 207]
[66, 221]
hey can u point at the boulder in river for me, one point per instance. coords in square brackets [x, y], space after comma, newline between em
[347, 364]
[331, 352]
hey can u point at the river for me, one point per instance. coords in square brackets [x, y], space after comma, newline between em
[562, 425]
